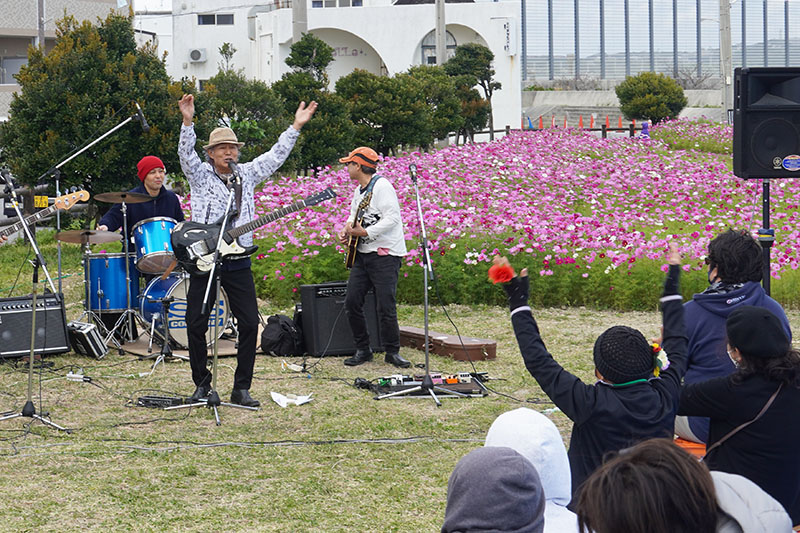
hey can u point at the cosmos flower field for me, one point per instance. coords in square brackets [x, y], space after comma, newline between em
[594, 213]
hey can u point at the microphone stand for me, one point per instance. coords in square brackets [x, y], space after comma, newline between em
[427, 385]
[29, 409]
[213, 401]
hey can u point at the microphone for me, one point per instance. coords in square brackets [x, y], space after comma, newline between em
[140, 116]
[412, 170]
[234, 168]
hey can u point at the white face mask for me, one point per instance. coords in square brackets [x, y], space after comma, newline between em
[734, 361]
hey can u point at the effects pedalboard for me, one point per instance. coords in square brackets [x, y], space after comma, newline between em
[469, 383]
[159, 402]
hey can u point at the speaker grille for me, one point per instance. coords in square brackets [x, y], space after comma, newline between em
[772, 140]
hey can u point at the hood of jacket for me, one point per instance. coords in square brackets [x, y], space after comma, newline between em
[746, 507]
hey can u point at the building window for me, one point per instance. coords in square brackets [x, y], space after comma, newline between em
[428, 47]
[335, 3]
[201, 85]
[9, 66]
[358, 3]
[316, 3]
[219, 20]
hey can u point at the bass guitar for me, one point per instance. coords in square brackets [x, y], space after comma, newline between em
[194, 243]
[352, 242]
[62, 202]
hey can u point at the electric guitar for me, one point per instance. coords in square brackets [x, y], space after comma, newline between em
[62, 202]
[194, 243]
[352, 242]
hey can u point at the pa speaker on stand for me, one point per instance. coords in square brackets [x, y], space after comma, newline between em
[766, 135]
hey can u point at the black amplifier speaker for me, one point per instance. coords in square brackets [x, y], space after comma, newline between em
[766, 122]
[326, 330]
[15, 326]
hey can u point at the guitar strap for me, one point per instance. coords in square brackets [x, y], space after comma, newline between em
[370, 185]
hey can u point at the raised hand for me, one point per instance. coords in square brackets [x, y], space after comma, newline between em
[186, 105]
[303, 114]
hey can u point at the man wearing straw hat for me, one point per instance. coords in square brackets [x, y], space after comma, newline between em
[210, 182]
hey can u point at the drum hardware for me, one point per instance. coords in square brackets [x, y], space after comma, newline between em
[166, 351]
[153, 244]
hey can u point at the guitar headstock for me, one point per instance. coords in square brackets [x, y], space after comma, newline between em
[68, 200]
[319, 197]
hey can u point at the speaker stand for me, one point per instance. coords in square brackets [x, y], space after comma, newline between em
[766, 235]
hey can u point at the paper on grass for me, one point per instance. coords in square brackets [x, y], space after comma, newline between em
[287, 399]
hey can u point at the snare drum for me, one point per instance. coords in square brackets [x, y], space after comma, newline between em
[104, 276]
[151, 238]
[176, 286]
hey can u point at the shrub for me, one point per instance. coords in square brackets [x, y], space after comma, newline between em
[650, 96]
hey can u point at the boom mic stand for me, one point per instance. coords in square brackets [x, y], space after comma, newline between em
[29, 409]
[427, 382]
[213, 401]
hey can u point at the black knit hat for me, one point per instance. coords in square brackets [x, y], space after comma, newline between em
[622, 354]
[756, 332]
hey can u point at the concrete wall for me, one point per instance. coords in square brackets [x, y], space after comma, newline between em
[697, 98]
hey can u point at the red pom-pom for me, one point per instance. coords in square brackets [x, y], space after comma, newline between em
[500, 273]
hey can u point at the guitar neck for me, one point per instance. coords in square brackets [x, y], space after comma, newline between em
[32, 219]
[266, 219]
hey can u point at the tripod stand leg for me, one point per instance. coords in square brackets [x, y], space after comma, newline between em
[49, 423]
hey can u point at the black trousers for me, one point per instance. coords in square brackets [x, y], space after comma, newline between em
[378, 272]
[241, 291]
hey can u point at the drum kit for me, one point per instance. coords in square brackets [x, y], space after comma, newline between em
[139, 283]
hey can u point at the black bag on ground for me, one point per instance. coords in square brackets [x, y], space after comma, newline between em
[281, 337]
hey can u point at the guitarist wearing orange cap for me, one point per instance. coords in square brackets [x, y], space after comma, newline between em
[376, 241]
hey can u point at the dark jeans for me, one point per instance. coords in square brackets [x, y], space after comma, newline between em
[378, 272]
[241, 291]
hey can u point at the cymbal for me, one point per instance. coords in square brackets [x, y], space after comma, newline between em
[119, 197]
[83, 236]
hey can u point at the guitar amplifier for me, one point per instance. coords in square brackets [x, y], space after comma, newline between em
[326, 330]
[15, 326]
[86, 340]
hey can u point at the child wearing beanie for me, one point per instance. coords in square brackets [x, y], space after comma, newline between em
[628, 403]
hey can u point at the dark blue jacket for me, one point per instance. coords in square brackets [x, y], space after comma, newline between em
[706, 315]
[166, 204]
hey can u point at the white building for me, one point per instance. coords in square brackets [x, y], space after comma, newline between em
[379, 36]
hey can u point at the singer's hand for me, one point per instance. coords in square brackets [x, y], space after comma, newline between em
[186, 105]
[303, 114]
[101, 227]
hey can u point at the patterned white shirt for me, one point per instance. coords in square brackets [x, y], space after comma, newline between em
[209, 194]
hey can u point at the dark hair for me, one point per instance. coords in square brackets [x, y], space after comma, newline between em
[368, 170]
[655, 487]
[737, 257]
[785, 369]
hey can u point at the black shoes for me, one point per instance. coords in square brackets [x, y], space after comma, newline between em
[397, 360]
[242, 397]
[200, 393]
[361, 356]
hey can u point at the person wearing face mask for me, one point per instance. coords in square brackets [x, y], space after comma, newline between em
[754, 412]
[735, 268]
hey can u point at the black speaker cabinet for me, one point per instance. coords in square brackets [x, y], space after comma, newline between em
[326, 330]
[15, 326]
[766, 122]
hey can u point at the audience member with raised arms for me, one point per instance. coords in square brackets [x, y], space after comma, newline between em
[628, 403]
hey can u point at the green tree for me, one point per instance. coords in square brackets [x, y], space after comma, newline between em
[474, 108]
[250, 107]
[387, 112]
[439, 92]
[330, 133]
[226, 51]
[311, 55]
[473, 59]
[82, 88]
[650, 96]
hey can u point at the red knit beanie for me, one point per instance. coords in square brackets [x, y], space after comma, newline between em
[148, 163]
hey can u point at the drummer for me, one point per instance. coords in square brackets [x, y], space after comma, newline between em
[164, 202]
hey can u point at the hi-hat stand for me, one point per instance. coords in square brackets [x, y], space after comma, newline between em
[213, 401]
[124, 324]
[427, 385]
[29, 409]
[166, 350]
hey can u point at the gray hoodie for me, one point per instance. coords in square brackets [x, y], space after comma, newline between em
[747, 508]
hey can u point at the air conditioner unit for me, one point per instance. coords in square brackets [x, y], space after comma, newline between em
[197, 55]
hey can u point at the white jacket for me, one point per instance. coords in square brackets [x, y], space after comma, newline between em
[535, 437]
[746, 507]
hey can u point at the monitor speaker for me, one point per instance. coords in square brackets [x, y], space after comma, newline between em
[15, 326]
[326, 330]
[766, 122]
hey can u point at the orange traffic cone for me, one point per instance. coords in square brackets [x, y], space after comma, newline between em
[580, 122]
[565, 122]
[608, 124]
[541, 123]
[591, 123]
[634, 123]
[620, 123]
[552, 121]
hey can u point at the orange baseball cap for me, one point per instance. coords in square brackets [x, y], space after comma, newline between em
[363, 156]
